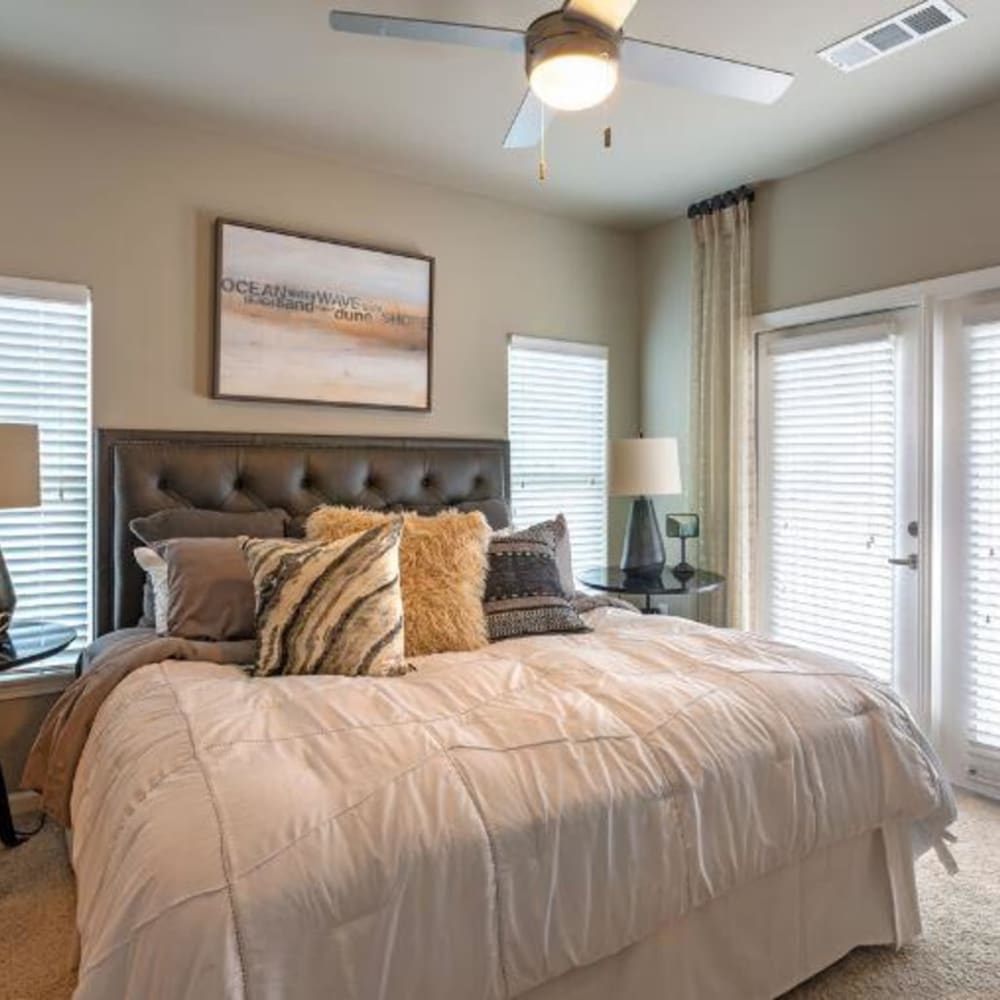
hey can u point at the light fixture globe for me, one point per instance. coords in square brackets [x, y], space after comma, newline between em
[572, 63]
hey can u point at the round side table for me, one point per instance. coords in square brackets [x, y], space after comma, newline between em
[613, 580]
[26, 642]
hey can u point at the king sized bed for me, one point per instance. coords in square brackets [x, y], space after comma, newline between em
[653, 810]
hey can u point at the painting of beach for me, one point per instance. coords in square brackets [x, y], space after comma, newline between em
[304, 319]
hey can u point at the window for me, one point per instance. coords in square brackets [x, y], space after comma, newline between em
[975, 616]
[45, 380]
[831, 487]
[557, 402]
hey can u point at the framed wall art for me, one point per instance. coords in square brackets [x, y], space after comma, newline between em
[305, 319]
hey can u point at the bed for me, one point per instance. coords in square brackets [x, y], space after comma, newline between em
[653, 809]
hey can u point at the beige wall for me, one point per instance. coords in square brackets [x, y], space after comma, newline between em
[921, 206]
[125, 206]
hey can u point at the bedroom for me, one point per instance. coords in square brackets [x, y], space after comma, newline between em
[130, 133]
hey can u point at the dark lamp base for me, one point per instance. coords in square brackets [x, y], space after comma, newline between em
[643, 556]
[7, 597]
[683, 571]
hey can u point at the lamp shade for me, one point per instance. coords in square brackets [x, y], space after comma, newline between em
[19, 485]
[645, 467]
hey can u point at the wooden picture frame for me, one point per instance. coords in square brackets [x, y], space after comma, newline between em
[309, 319]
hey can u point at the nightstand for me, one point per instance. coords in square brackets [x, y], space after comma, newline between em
[613, 580]
[26, 642]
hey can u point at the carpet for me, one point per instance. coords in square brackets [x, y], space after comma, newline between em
[958, 957]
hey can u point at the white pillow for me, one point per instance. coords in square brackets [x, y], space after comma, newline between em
[155, 567]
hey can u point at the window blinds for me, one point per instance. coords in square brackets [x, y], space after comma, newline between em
[982, 674]
[828, 484]
[557, 423]
[44, 380]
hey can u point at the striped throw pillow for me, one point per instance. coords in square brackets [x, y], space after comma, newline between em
[329, 607]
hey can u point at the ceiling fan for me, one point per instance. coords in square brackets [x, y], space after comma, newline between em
[573, 56]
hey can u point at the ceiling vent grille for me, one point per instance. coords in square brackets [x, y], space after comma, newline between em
[913, 25]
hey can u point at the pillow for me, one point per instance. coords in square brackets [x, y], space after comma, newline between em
[193, 522]
[564, 555]
[496, 511]
[155, 568]
[442, 562]
[329, 607]
[201, 588]
[524, 593]
[210, 593]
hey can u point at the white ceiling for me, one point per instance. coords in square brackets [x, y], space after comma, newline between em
[439, 113]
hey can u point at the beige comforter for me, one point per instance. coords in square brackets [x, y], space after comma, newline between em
[475, 828]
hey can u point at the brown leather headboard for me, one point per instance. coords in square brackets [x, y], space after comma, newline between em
[141, 472]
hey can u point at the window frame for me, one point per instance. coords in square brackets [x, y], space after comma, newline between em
[42, 677]
[574, 348]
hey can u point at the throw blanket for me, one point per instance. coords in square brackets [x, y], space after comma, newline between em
[475, 828]
[51, 765]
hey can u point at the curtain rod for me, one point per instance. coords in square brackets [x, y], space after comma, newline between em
[720, 201]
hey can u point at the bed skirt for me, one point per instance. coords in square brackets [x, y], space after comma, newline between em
[762, 939]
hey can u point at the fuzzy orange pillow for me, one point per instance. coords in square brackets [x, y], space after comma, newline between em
[442, 567]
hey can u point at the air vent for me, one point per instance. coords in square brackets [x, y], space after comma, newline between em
[913, 25]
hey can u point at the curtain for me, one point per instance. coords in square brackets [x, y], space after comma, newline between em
[723, 417]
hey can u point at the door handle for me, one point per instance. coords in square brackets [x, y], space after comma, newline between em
[911, 561]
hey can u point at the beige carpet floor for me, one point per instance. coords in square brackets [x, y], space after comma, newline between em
[958, 957]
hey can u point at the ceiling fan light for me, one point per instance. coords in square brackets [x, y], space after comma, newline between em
[574, 81]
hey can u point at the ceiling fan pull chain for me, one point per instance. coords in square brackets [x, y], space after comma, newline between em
[542, 166]
[607, 137]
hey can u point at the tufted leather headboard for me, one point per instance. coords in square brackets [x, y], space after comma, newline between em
[141, 472]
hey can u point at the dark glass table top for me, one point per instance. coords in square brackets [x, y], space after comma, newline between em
[613, 580]
[26, 642]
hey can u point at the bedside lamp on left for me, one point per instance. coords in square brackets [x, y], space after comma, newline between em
[19, 487]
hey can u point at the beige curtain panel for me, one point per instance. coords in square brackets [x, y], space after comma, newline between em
[723, 417]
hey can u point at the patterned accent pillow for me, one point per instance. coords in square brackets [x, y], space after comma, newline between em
[442, 562]
[329, 607]
[524, 594]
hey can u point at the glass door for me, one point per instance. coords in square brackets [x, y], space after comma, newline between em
[841, 548]
[969, 459]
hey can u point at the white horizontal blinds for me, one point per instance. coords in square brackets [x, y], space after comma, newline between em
[832, 483]
[982, 674]
[557, 399]
[45, 380]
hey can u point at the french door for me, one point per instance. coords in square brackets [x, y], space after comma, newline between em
[969, 502]
[840, 533]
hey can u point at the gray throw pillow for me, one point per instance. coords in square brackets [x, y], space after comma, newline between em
[194, 522]
[564, 555]
[209, 589]
[524, 592]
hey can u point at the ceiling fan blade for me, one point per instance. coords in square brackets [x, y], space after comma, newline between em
[504, 39]
[672, 67]
[525, 130]
[612, 13]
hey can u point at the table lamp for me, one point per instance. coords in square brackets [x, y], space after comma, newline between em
[643, 468]
[19, 487]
